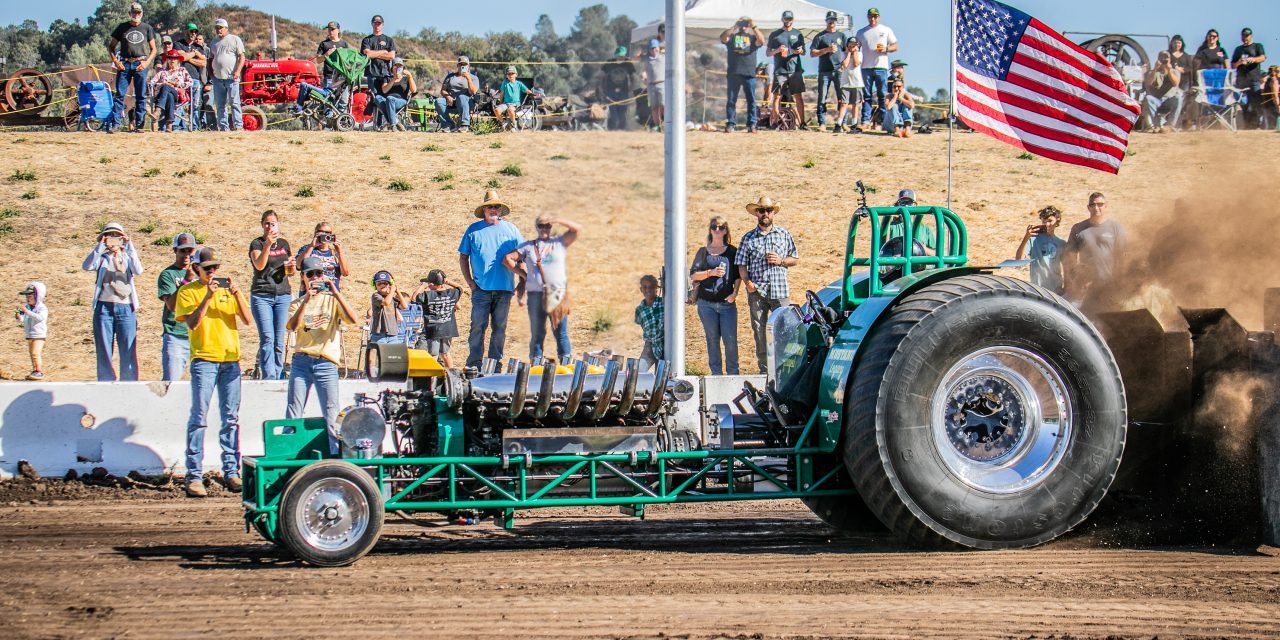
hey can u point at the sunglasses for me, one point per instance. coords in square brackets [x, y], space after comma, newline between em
[314, 274]
[768, 210]
[1097, 204]
[544, 226]
[719, 227]
[209, 269]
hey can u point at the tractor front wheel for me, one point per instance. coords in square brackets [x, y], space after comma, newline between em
[984, 413]
[330, 513]
[253, 118]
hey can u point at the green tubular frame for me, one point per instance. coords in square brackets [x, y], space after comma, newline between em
[265, 477]
[953, 245]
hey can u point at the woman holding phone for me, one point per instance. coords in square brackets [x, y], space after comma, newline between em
[115, 302]
[273, 265]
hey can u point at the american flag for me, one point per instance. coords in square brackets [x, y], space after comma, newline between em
[1021, 82]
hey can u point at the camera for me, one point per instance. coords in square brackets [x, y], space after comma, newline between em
[325, 237]
[223, 283]
[113, 241]
[322, 287]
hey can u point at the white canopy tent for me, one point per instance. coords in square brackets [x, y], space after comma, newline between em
[705, 20]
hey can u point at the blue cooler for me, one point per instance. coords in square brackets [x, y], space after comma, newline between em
[95, 101]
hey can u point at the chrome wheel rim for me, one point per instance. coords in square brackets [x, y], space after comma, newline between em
[1001, 420]
[334, 514]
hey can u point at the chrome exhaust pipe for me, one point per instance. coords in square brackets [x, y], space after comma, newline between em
[519, 391]
[545, 389]
[488, 367]
[605, 395]
[629, 387]
[575, 390]
[661, 376]
[511, 365]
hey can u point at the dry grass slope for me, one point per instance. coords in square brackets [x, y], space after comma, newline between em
[612, 183]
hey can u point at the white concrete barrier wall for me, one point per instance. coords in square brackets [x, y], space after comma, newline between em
[126, 426]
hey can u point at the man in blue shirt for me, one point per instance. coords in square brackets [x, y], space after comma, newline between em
[482, 258]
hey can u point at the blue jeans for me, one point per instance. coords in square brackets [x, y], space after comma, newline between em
[487, 306]
[116, 326]
[538, 331]
[307, 372]
[175, 352]
[720, 323]
[197, 96]
[136, 73]
[827, 81]
[389, 105]
[874, 81]
[167, 104]
[738, 84]
[226, 93]
[374, 83]
[205, 377]
[382, 338]
[898, 116]
[1170, 105]
[461, 106]
[305, 90]
[270, 313]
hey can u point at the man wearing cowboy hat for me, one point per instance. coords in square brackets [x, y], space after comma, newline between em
[482, 260]
[764, 255]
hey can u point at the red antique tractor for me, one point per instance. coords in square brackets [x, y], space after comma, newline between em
[267, 82]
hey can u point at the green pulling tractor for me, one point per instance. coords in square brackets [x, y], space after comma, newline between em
[959, 408]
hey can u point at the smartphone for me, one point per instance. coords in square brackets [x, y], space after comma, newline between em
[114, 241]
[322, 287]
[223, 283]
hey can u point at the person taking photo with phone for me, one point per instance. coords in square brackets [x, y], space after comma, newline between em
[273, 265]
[324, 245]
[115, 302]
[212, 307]
[315, 318]
[1042, 246]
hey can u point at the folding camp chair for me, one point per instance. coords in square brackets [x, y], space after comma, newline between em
[1218, 97]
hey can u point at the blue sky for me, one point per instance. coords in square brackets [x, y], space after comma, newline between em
[923, 36]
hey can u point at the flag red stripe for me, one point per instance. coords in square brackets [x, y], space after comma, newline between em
[1047, 110]
[1106, 77]
[1092, 55]
[1037, 129]
[1071, 80]
[1052, 155]
[1083, 104]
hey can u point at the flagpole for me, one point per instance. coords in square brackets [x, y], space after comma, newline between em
[951, 111]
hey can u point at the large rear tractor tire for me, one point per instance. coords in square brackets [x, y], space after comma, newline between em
[330, 513]
[253, 118]
[984, 413]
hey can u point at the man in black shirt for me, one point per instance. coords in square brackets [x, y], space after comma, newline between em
[617, 79]
[381, 50]
[132, 49]
[329, 74]
[828, 48]
[786, 45]
[743, 39]
[1247, 60]
[195, 57]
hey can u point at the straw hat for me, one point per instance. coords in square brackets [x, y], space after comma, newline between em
[491, 198]
[764, 202]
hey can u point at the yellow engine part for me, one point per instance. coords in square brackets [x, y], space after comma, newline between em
[424, 365]
[564, 369]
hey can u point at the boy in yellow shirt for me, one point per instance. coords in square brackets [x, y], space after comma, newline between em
[315, 318]
[210, 306]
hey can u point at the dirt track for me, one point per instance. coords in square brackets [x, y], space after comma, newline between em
[167, 568]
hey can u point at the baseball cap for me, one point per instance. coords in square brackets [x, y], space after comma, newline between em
[436, 277]
[113, 226]
[873, 11]
[332, 25]
[787, 15]
[620, 51]
[166, 40]
[30, 289]
[464, 60]
[655, 44]
[832, 16]
[135, 7]
[184, 241]
[376, 18]
[382, 276]
[191, 26]
[397, 61]
[1246, 31]
[907, 194]
[312, 263]
[897, 63]
[220, 22]
[512, 69]
[205, 257]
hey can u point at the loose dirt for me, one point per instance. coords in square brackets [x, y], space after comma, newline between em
[160, 569]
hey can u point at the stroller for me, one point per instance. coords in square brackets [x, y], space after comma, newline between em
[332, 107]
